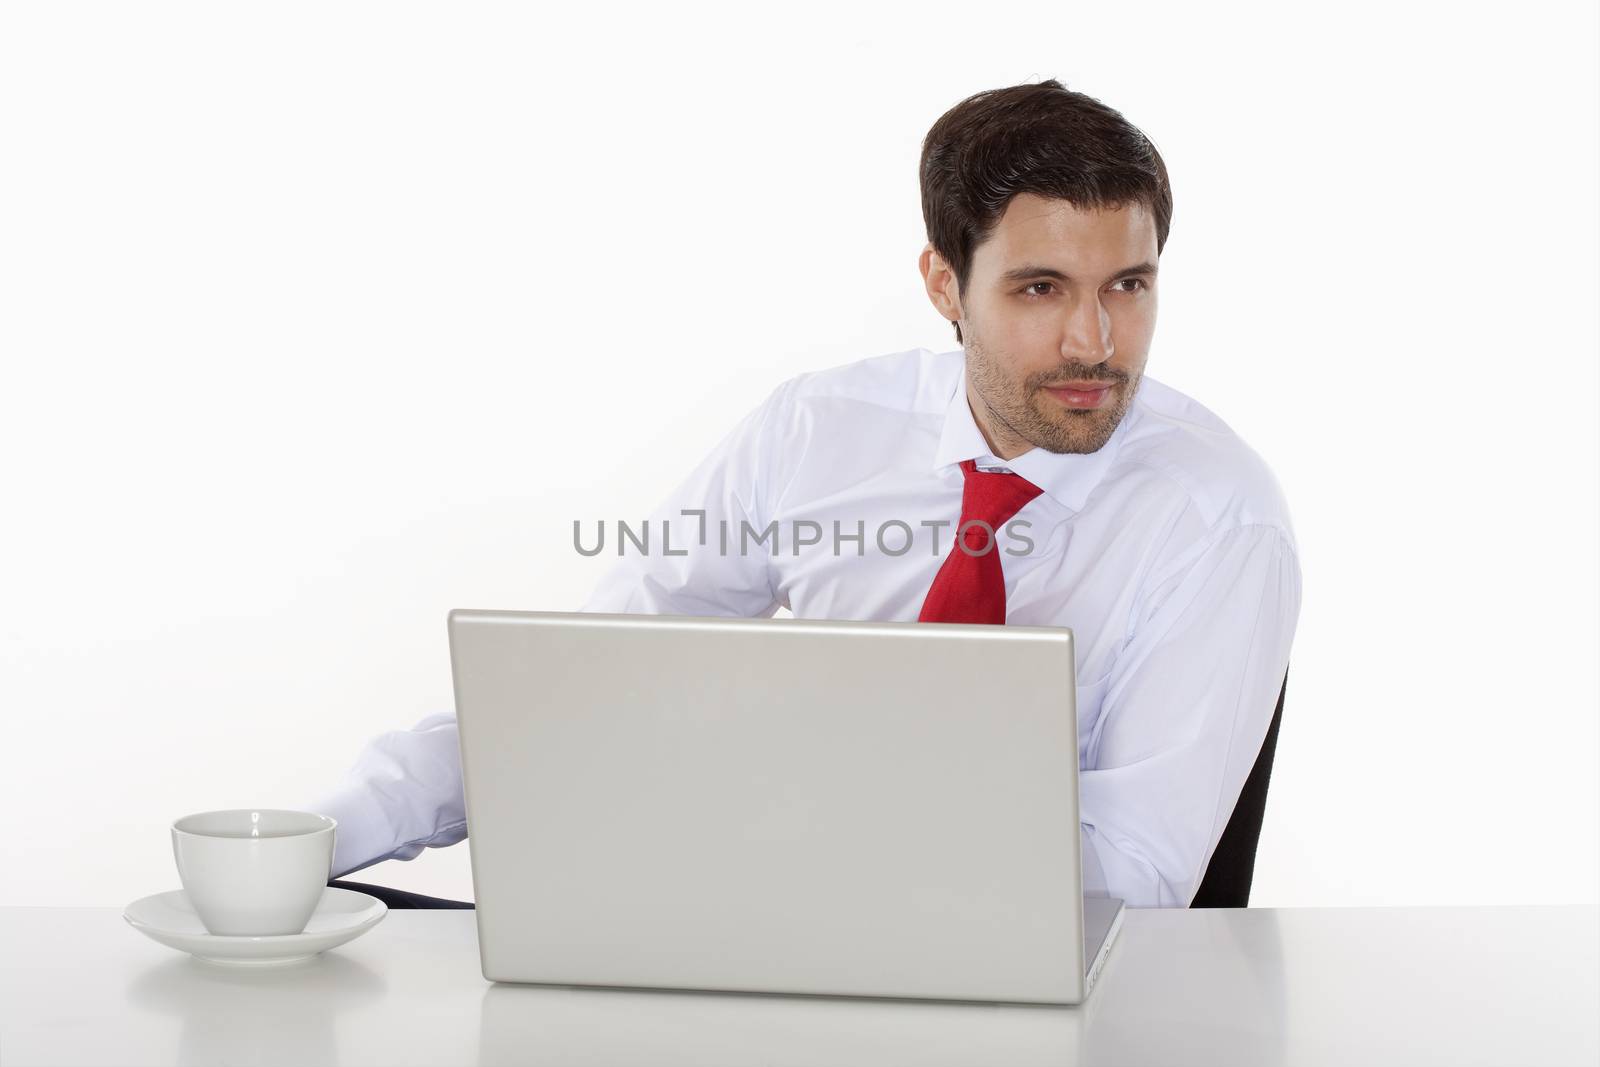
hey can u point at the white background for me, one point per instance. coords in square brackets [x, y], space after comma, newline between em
[319, 320]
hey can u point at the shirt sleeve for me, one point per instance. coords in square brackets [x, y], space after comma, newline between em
[703, 551]
[405, 791]
[1185, 714]
[402, 794]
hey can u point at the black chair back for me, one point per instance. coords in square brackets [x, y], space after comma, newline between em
[1227, 880]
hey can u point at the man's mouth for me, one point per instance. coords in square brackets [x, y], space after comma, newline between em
[1081, 395]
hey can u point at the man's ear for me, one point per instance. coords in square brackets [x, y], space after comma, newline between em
[940, 282]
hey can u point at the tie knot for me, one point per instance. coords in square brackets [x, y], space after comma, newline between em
[993, 496]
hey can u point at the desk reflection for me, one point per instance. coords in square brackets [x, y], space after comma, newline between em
[573, 1025]
[1215, 998]
[256, 1015]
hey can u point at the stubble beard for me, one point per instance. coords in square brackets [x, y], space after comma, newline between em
[1026, 411]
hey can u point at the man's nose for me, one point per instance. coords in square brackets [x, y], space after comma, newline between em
[1087, 338]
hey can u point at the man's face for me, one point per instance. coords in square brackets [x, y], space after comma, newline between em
[1056, 296]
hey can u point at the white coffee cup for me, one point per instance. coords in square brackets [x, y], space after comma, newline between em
[254, 871]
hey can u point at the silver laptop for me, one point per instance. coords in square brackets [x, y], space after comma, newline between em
[776, 805]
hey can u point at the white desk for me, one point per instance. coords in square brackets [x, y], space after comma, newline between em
[1411, 986]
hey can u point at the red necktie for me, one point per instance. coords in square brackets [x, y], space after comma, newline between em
[971, 587]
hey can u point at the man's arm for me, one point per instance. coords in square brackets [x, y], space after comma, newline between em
[404, 792]
[734, 487]
[1185, 715]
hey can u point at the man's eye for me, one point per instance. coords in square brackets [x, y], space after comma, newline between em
[1030, 289]
[1137, 283]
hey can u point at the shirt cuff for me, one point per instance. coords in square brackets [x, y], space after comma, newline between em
[363, 835]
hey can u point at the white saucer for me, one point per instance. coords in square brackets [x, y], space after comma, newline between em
[169, 918]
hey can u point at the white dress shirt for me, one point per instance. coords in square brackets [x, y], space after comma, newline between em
[1169, 552]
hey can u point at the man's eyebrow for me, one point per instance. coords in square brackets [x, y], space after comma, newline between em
[1017, 274]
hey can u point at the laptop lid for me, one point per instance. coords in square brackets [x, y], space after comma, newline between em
[765, 805]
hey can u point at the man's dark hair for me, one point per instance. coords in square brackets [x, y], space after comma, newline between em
[1039, 138]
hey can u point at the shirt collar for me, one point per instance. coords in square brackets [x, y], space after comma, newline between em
[1068, 478]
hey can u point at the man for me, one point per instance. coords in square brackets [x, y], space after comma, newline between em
[1084, 494]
